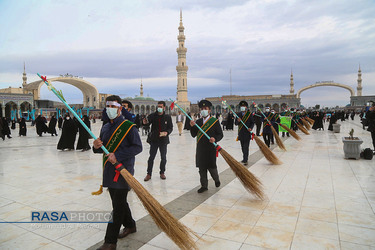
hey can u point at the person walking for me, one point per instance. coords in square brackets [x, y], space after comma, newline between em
[122, 140]
[244, 135]
[161, 128]
[205, 156]
[180, 122]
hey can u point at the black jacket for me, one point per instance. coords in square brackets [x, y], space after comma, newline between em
[160, 123]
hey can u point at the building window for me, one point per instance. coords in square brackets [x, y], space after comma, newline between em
[102, 98]
[182, 64]
[183, 82]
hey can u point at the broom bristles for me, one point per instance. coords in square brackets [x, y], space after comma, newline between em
[270, 156]
[311, 121]
[248, 180]
[99, 192]
[306, 124]
[175, 230]
[302, 129]
[291, 132]
[278, 140]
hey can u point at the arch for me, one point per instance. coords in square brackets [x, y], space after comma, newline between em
[260, 106]
[89, 91]
[153, 108]
[148, 109]
[25, 106]
[143, 109]
[321, 84]
[268, 105]
[136, 109]
[9, 107]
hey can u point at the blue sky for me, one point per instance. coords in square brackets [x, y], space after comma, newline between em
[113, 44]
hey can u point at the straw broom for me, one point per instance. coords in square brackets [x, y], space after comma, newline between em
[248, 180]
[279, 142]
[175, 230]
[268, 154]
[311, 121]
[306, 124]
[291, 132]
[302, 128]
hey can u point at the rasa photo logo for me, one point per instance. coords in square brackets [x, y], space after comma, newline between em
[71, 217]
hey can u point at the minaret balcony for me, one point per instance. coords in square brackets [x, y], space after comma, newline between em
[182, 68]
[181, 37]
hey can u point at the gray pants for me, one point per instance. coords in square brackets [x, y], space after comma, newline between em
[203, 174]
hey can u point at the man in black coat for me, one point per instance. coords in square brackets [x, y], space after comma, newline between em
[244, 135]
[123, 147]
[161, 128]
[267, 131]
[205, 158]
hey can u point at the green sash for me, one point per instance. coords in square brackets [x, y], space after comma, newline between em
[206, 126]
[117, 137]
[244, 119]
[286, 121]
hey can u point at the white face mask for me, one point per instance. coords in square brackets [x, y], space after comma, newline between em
[243, 109]
[67, 117]
[273, 112]
[160, 110]
[204, 113]
[112, 113]
[267, 110]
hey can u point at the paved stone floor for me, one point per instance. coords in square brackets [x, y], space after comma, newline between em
[315, 200]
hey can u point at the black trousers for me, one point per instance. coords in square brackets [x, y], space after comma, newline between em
[259, 126]
[154, 146]
[121, 214]
[267, 139]
[373, 139]
[245, 149]
[203, 175]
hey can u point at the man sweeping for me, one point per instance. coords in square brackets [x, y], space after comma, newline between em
[122, 140]
[205, 158]
[244, 135]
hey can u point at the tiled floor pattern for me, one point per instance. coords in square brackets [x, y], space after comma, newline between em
[315, 200]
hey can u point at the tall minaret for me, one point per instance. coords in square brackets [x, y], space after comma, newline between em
[24, 77]
[359, 81]
[291, 83]
[182, 69]
[141, 94]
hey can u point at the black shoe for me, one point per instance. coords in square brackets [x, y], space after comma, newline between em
[245, 163]
[217, 184]
[202, 189]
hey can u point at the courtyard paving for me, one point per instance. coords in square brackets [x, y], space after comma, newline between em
[315, 200]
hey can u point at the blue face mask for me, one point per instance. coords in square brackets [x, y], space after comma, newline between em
[243, 109]
[112, 113]
[160, 110]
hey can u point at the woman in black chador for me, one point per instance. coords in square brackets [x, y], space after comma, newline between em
[52, 126]
[41, 127]
[83, 139]
[23, 129]
[68, 135]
